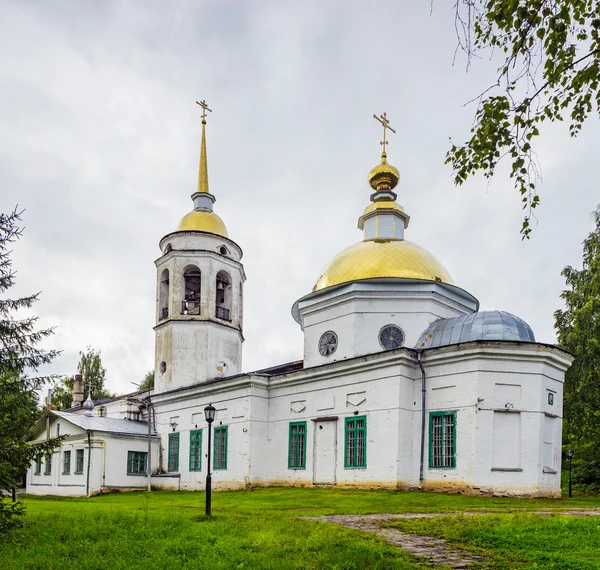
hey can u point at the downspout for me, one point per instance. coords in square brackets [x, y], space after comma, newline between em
[423, 402]
[87, 483]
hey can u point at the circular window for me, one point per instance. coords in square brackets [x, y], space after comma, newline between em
[163, 367]
[223, 250]
[391, 337]
[328, 343]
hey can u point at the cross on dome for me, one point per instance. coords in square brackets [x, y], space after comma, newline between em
[386, 125]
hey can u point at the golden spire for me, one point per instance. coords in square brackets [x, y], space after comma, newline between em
[203, 171]
[384, 177]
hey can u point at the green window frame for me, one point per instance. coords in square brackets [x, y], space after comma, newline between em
[442, 440]
[355, 442]
[66, 462]
[173, 454]
[79, 461]
[48, 465]
[38, 467]
[220, 453]
[137, 462]
[297, 446]
[196, 450]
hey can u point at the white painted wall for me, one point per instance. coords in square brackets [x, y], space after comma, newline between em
[357, 312]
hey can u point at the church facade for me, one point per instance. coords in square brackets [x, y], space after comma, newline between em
[404, 382]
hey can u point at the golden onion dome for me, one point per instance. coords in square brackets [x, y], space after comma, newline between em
[380, 259]
[202, 221]
[384, 174]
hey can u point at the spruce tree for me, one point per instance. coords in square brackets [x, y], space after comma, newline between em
[21, 360]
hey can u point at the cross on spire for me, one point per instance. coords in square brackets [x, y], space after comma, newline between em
[386, 125]
[204, 109]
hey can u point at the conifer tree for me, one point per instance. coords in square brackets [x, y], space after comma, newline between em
[578, 328]
[21, 358]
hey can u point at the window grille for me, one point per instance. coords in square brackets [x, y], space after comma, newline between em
[79, 461]
[196, 450]
[173, 456]
[442, 439]
[66, 462]
[297, 446]
[136, 462]
[355, 442]
[220, 453]
[48, 465]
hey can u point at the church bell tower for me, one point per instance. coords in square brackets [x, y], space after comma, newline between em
[199, 294]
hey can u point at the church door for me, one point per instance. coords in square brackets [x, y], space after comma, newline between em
[325, 450]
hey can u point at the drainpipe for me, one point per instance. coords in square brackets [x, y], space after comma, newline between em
[87, 483]
[423, 402]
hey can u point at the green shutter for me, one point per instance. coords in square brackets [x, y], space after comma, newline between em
[355, 442]
[442, 440]
[220, 453]
[297, 446]
[196, 450]
[173, 455]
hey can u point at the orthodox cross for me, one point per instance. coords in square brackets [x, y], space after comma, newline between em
[386, 125]
[204, 109]
[90, 389]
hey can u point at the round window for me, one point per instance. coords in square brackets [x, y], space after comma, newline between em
[328, 343]
[391, 337]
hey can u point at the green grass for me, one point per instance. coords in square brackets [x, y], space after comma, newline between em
[249, 529]
[517, 540]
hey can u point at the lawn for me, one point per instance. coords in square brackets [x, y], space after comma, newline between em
[261, 529]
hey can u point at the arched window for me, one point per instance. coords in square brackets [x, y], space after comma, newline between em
[163, 297]
[190, 304]
[223, 308]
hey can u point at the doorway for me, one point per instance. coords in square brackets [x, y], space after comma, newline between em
[325, 451]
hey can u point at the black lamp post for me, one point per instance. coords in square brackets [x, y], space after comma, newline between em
[570, 456]
[209, 414]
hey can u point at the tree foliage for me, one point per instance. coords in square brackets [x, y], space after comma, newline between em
[578, 328]
[148, 382]
[94, 376]
[550, 70]
[20, 356]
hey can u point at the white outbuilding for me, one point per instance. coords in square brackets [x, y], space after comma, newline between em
[404, 383]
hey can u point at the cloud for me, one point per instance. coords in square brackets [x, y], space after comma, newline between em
[100, 145]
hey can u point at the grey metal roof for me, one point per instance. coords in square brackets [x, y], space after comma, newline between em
[112, 425]
[486, 325]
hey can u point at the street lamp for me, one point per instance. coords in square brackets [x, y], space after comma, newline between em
[209, 414]
[570, 456]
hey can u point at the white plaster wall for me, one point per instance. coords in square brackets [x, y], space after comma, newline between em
[501, 378]
[232, 399]
[108, 464]
[356, 313]
[381, 393]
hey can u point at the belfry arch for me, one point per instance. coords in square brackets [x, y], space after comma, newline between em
[190, 303]
[163, 296]
[223, 297]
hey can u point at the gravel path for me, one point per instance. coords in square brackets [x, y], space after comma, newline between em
[436, 550]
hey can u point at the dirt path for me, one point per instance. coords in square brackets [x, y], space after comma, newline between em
[436, 550]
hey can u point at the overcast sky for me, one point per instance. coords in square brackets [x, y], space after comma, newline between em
[99, 142]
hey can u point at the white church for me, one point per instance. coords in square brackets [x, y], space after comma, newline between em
[404, 383]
